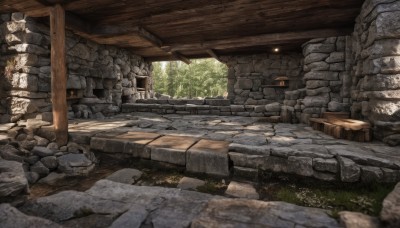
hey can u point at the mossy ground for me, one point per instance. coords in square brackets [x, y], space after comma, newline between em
[360, 197]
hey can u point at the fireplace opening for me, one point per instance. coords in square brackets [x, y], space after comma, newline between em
[141, 83]
[99, 93]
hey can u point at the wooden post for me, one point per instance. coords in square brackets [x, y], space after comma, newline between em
[58, 74]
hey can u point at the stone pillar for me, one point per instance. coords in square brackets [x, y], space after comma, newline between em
[325, 67]
[376, 73]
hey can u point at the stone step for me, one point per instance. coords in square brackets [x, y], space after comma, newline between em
[197, 155]
[211, 107]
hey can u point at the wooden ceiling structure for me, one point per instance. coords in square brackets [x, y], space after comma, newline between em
[184, 29]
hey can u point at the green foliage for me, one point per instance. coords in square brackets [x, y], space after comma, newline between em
[202, 78]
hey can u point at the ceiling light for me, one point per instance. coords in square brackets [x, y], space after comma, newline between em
[276, 49]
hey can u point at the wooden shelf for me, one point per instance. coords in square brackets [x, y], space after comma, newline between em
[274, 86]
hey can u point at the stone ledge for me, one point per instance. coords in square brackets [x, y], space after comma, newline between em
[211, 107]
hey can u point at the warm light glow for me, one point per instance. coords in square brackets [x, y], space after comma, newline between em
[276, 49]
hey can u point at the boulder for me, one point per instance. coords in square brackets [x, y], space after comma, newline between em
[187, 183]
[358, 220]
[42, 151]
[52, 178]
[241, 190]
[390, 213]
[9, 152]
[75, 165]
[50, 162]
[40, 169]
[32, 177]
[12, 180]
[253, 213]
[125, 176]
[10, 217]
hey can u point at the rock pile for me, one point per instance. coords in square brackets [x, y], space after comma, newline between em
[29, 155]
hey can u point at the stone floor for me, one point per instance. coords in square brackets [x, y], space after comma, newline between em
[254, 143]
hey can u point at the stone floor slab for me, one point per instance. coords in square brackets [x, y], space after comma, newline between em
[171, 149]
[136, 143]
[208, 156]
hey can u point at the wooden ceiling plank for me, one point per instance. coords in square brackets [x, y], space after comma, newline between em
[264, 39]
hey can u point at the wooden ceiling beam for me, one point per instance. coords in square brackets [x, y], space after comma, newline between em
[181, 57]
[213, 54]
[258, 40]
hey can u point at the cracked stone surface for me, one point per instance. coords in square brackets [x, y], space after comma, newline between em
[112, 204]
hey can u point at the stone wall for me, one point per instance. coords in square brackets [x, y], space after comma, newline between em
[250, 77]
[219, 107]
[326, 78]
[100, 77]
[375, 91]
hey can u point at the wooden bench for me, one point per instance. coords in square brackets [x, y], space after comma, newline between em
[343, 128]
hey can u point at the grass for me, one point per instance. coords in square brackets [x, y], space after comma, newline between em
[365, 198]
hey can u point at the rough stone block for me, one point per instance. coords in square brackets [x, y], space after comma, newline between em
[318, 48]
[171, 149]
[136, 143]
[390, 213]
[358, 220]
[313, 84]
[349, 170]
[218, 102]
[209, 157]
[244, 173]
[276, 164]
[325, 165]
[242, 190]
[244, 83]
[300, 165]
[371, 174]
[324, 176]
[322, 75]
[125, 176]
[246, 160]
[188, 183]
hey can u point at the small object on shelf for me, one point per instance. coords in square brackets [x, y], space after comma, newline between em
[283, 80]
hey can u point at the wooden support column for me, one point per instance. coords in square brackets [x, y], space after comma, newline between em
[59, 74]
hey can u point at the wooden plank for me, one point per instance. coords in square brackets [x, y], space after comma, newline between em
[258, 40]
[343, 115]
[59, 74]
[354, 125]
